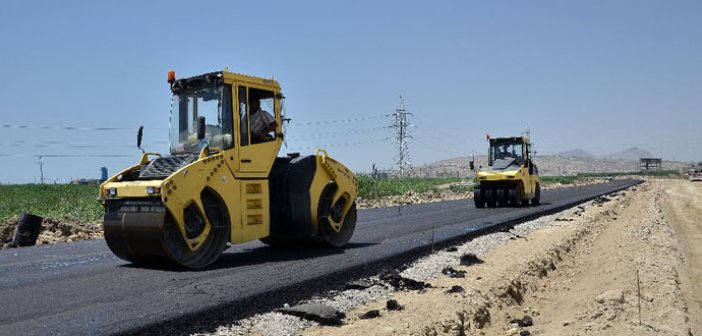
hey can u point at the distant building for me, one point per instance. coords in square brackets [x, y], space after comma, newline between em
[85, 181]
[646, 164]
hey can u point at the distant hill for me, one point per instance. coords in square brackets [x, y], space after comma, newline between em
[633, 153]
[549, 165]
[579, 153]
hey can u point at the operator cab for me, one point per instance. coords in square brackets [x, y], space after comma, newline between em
[193, 98]
[233, 116]
[507, 152]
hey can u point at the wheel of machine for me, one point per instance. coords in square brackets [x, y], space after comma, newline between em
[501, 196]
[478, 198]
[490, 198]
[537, 196]
[341, 238]
[153, 238]
[214, 244]
[513, 197]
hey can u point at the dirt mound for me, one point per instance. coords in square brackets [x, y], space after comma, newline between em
[53, 231]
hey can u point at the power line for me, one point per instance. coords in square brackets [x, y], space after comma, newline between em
[68, 155]
[335, 134]
[80, 145]
[344, 144]
[426, 124]
[444, 149]
[433, 147]
[71, 128]
[338, 121]
[447, 145]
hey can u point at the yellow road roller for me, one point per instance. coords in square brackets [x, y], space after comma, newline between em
[222, 181]
[511, 178]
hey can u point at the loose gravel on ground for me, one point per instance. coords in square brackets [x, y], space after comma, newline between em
[277, 324]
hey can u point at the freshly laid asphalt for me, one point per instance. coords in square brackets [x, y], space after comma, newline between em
[81, 288]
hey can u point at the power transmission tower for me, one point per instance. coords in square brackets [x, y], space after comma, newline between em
[41, 170]
[402, 160]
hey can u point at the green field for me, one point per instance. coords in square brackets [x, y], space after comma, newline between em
[369, 188]
[57, 201]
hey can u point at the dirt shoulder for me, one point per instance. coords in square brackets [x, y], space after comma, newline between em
[684, 208]
[577, 276]
[53, 231]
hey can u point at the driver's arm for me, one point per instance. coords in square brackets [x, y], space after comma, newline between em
[270, 128]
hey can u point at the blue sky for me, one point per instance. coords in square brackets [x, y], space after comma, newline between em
[599, 75]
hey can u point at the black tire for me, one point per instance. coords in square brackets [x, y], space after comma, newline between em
[537, 196]
[214, 244]
[478, 198]
[513, 197]
[341, 238]
[501, 197]
[490, 198]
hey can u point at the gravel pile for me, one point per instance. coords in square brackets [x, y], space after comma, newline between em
[277, 324]
[349, 299]
[268, 324]
[428, 267]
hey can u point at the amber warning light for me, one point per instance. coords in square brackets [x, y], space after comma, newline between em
[171, 76]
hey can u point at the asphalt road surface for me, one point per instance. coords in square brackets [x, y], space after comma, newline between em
[80, 288]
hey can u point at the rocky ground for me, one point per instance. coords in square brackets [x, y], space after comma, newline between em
[628, 264]
[52, 231]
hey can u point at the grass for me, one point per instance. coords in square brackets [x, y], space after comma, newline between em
[57, 201]
[369, 188]
[546, 180]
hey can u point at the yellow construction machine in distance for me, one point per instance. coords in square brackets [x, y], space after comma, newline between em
[511, 178]
[222, 183]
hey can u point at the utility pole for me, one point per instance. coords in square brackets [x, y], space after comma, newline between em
[41, 170]
[403, 161]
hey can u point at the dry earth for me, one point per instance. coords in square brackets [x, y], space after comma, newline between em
[577, 276]
[53, 231]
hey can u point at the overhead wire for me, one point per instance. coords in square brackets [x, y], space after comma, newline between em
[438, 148]
[71, 128]
[339, 121]
[336, 134]
[68, 155]
[447, 145]
[428, 125]
[344, 144]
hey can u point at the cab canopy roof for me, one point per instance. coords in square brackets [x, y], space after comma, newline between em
[219, 77]
[508, 140]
